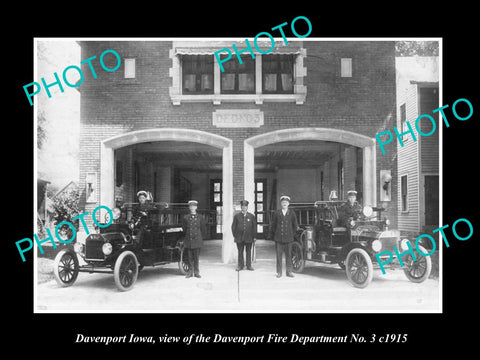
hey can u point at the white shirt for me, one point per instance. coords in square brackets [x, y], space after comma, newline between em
[284, 212]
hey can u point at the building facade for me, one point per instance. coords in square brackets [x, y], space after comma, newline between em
[418, 161]
[299, 121]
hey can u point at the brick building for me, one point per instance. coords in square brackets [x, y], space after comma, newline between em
[301, 120]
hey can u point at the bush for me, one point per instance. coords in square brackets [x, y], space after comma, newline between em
[66, 208]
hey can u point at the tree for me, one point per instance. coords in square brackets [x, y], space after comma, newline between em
[416, 48]
[41, 129]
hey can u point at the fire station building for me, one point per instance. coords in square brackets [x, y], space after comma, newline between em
[300, 121]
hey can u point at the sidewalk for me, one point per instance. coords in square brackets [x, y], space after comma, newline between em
[320, 288]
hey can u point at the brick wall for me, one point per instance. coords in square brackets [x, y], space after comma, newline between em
[364, 104]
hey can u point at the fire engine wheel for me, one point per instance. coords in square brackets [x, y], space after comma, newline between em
[298, 262]
[183, 264]
[359, 268]
[65, 267]
[125, 271]
[418, 271]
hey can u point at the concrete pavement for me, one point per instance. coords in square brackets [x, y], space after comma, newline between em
[320, 288]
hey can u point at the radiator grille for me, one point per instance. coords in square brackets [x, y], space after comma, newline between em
[93, 248]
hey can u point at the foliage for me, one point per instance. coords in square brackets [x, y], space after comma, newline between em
[416, 48]
[66, 208]
[41, 129]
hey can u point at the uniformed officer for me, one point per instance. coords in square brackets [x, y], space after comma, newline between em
[244, 230]
[283, 227]
[194, 230]
[140, 213]
[141, 209]
[351, 210]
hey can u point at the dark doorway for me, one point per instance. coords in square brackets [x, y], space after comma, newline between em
[431, 200]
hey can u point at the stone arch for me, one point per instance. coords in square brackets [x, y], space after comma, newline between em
[316, 133]
[108, 146]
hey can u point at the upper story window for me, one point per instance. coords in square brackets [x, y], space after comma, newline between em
[129, 68]
[197, 74]
[346, 67]
[238, 78]
[197, 77]
[277, 71]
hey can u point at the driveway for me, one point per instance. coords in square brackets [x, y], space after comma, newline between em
[320, 288]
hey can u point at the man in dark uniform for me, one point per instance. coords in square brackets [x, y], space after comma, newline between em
[351, 210]
[194, 230]
[244, 230]
[141, 209]
[140, 213]
[283, 227]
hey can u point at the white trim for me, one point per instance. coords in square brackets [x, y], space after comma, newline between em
[177, 97]
[107, 174]
[326, 134]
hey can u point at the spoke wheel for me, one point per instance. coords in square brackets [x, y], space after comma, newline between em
[298, 262]
[65, 268]
[183, 264]
[126, 271]
[418, 271]
[359, 268]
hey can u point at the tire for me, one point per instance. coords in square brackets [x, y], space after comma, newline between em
[65, 267]
[298, 261]
[183, 264]
[418, 271]
[359, 268]
[125, 271]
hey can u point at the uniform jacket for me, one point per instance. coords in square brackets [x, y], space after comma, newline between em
[194, 230]
[283, 228]
[244, 227]
[140, 210]
[350, 211]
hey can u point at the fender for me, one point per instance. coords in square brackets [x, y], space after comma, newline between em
[348, 247]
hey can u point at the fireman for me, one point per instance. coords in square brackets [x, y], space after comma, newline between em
[194, 229]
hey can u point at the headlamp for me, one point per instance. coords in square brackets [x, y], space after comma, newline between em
[107, 248]
[78, 248]
[404, 244]
[116, 213]
[376, 245]
[367, 211]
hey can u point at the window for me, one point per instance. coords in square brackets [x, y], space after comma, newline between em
[277, 74]
[197, 74]
[403, 121]
[404, 192]
[238, 78]
[197, 77]
[260, 200]
[129, 68]
[346, 67]
[216, 204]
